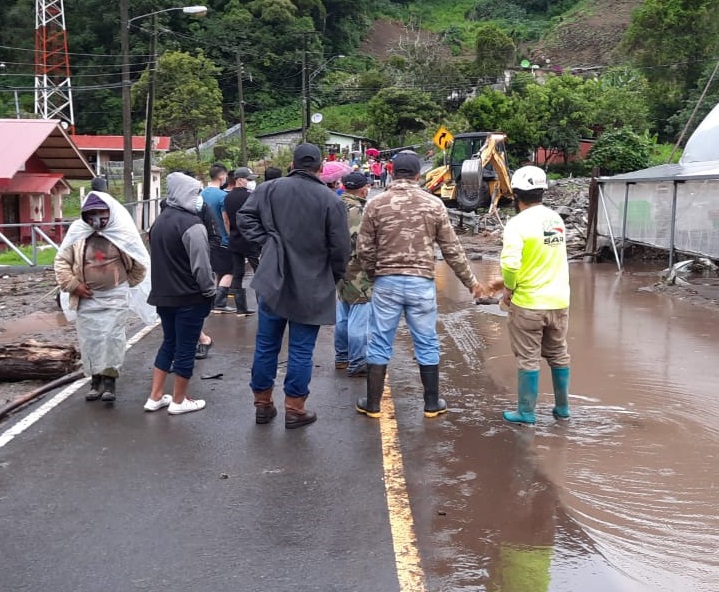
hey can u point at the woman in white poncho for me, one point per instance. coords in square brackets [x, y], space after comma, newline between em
[103, 265]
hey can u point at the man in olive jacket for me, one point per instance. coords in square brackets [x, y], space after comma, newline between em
[302, 228]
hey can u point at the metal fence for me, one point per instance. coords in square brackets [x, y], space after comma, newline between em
[143, 212]
[36, 232]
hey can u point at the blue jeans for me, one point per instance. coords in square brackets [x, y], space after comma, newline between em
[417, 298]
[270, 331]
[351, 334]
[181, 328]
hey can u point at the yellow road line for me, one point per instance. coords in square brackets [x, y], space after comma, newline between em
[409, 569]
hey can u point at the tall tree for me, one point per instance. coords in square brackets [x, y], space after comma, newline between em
[394, 112]
[495, 51]
[672, 41]
[188, 101]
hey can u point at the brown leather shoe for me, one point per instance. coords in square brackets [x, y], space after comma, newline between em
[265, 409]
[341, 365]
[296, 416]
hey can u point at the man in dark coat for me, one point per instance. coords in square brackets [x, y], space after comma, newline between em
[302, 228]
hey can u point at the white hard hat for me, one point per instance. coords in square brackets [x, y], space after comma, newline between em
[528, 178]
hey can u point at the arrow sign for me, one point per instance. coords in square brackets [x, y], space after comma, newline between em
[442, 138]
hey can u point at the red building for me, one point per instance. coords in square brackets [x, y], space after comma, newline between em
[37, 157]
[99, 151]
[545, 157]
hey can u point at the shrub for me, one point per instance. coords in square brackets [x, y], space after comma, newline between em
[620, 151]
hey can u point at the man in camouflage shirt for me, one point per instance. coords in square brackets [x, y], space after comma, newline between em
[396, 248]
[355, 289]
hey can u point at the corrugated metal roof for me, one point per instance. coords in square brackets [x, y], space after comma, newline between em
[21, 138]
[34, 183]
[116, 143]
[694, 171]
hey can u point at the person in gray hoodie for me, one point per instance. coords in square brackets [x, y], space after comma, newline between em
[183, 289]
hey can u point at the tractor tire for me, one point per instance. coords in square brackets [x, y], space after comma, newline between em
[468, 201]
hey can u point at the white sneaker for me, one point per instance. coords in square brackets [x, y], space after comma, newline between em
[187, 406]
[151, 405]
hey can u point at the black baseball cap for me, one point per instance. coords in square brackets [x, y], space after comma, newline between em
[307, 155]
[245, 173]
[355, 180]
[407, 163]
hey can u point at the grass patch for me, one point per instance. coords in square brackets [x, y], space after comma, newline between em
[660, 154]
[71, 203]
[45, 257]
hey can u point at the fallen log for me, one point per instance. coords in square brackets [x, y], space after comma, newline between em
[18, 402]
[34, 360]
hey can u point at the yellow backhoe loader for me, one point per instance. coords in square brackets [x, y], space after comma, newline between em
[476, 176]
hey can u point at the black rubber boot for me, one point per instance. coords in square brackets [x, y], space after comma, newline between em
[95, 391]
[241, 302]
[433, 405]
[220, 304]
[370, 405]
[108, 389]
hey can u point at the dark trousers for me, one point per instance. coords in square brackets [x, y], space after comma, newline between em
[239, 259]
[181, 327]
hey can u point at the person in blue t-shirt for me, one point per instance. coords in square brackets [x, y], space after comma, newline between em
[220, 255]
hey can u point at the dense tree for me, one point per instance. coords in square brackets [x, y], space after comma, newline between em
[262, 31]
[188, 101]
[702, 99]
[569, 113]
[672, 42]
[489, 111]
[620, 100]
[495, 51]
[558, 113]
[395, 112]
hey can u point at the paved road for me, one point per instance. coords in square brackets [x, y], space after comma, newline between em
[97, 498]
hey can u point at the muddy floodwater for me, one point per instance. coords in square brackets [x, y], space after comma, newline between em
[626, 492]
[624, 497]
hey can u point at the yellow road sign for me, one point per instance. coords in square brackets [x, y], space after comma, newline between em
[443, 138]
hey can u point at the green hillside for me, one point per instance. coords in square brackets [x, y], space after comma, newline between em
[391, 70]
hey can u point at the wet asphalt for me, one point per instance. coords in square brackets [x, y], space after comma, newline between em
[97, 497]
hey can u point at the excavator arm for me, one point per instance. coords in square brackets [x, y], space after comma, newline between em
[437, 177]
[476, 179]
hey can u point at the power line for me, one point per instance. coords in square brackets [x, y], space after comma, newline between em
[91, 55]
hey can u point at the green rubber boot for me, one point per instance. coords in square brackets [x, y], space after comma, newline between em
[527, 390]
[560, 381]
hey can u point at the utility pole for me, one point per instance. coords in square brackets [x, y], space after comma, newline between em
[305, 90]
[243, 132]
[147, 163]
[126, 103]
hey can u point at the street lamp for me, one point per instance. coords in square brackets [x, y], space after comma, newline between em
[127, 136]
[306, 84]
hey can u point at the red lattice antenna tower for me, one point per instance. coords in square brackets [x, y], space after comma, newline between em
[53, 93]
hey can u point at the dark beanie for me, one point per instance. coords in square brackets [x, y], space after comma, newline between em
[99, 184]
[94, 202]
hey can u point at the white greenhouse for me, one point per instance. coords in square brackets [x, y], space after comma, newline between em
[672, 206]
